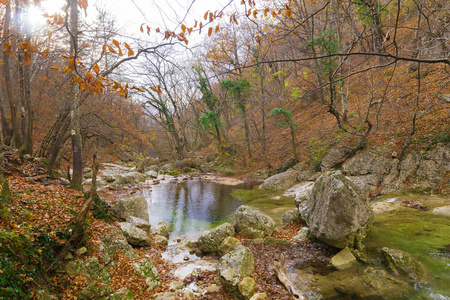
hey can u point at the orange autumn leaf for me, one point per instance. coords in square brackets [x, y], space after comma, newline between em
[96, 69]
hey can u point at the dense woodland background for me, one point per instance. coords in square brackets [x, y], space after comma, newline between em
[255, 83]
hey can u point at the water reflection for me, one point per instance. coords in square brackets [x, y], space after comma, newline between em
[190, 206]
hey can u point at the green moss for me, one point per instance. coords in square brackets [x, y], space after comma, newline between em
[418, 232]
[146, 269]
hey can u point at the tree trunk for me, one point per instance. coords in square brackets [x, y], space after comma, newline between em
[6, 74]
[77, 146]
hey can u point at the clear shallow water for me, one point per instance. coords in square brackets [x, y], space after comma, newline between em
[421, 233]
[194, 205]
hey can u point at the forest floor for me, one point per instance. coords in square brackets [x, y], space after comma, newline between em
[36, 226]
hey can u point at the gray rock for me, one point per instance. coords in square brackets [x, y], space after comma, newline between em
[151, 174]
[300, 166]
[162, 229]
[139, 223]
[247, 287]
[228, 245]
[45, 295]
[259, 296]
[90, 268]
[290, 216]
[408, 166]
[134, 235]
[134, 206]
[302, 198]
[99, 182]
[145, 268]
[113, 242]
[302, 235]
[210, 241]
[360, 164]
[343, 260]
[308, 175]
[176, 285]
[160, 240]
[402, 263]
[213, 288]
[365, 184]
[253, 223]
[129, 178]
[235, 266]
[280, 181]
[338, 215]
[373, 283]
[333, 158]
[94, 291]
[443, 210]
[81, 251]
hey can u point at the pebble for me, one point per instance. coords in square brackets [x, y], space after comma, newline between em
[186, 258]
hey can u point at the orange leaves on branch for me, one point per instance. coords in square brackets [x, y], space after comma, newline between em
[4, 2]
[55, 67]
[96, 69]
[210, 30]
[112, 49]
[157, 89]
[183, 28]
[258, 39]
[83, 4]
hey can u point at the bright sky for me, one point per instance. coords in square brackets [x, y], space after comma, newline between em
[132, 13]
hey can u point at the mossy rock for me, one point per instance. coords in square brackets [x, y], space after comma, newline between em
[145, 268]
[93, 291]
[91, 268]
[274, 241]
[402, 263]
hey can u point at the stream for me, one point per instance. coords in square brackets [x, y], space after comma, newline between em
[193, 205]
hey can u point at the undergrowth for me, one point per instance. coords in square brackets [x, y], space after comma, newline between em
[101, 209]
[23, 258]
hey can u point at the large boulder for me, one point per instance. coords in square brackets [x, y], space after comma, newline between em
[228, 245]
[134, 235]
[338, 215]
[111, 171]
[112, 242]
[253, 223]
[302, 198]
[333, 158]
[402, 263]
[162, 229]
[290, 216]
[235, 266]
[210, 241]
[139, 223]
[129, 178]
[145, 268]
[280, 181]
[134, 206]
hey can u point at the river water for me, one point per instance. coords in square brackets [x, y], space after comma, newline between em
[192, 205]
